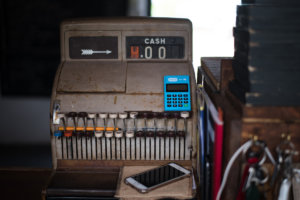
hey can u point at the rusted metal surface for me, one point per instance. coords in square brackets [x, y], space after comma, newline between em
[110, 103]
[147, 78]
[92, 77]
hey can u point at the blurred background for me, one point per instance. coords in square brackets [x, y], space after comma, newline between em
[30, 55]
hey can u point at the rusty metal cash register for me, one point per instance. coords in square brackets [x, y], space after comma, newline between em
[123, 95]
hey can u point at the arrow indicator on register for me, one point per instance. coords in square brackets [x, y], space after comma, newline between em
[91, 52]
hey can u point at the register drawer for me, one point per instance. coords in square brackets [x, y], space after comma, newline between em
[81, 198]
[83, 184]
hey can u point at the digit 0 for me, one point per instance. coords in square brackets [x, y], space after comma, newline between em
[148, 52]
[161, 52]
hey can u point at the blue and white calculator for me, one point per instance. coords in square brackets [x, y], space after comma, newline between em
[177, 93]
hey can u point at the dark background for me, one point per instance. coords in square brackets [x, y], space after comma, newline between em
[30, 55]
[30, 39]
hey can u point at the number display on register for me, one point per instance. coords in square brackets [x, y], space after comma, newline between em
[144, 47]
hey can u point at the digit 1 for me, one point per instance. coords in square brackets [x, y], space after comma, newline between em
[148, 52]
[162, 52]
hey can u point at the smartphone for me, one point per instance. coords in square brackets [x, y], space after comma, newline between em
[151, 179]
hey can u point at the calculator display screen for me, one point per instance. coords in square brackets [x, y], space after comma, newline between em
[177, 87]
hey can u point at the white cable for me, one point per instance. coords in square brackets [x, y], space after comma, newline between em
[285, 188]
[267, 150]
[243, 148]
[263, 159]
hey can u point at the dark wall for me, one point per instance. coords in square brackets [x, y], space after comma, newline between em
[30, 50]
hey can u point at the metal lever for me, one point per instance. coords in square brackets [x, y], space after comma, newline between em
[59, 133]
[129, 134]
[109, 134]
[93, 117]
[61, 117]
[123, 116]
[113, 116]
[133, 115]
[119, 134]
[98, 134]
[56, 109]
[176, 115]
[73, 116]
[185, 115]
[166, 115]
[104, 117]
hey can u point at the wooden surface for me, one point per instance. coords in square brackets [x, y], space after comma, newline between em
[180, 189]
[23, 184]
[226, 73]
[102, 164]
[218, 71]
[283, 113]
[212, 67]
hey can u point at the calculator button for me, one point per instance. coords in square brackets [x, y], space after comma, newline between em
[168, 101]
[179, 101]
[169, 98]
[180, 95]
[185, 95]
[186, 105]
[185, 101]
[168, 95]
[174, 105]
[174, 95]
[168, 105]
[174, 101]
[186, 98]
[179, 98]
[180, 105]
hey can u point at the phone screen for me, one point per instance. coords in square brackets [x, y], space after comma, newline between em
[158, 176]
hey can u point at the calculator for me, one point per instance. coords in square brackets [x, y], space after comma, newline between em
[177, 93]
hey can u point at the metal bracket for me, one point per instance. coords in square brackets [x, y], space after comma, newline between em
[56, 109]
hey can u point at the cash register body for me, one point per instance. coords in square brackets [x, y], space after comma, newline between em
[115, 80]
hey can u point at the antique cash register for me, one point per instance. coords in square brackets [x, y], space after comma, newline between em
[123, 99]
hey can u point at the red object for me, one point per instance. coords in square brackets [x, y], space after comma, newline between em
[68, 133]
[241, 195]
[218, 149]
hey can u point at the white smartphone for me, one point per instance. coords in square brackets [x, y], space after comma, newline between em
[157, 177]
